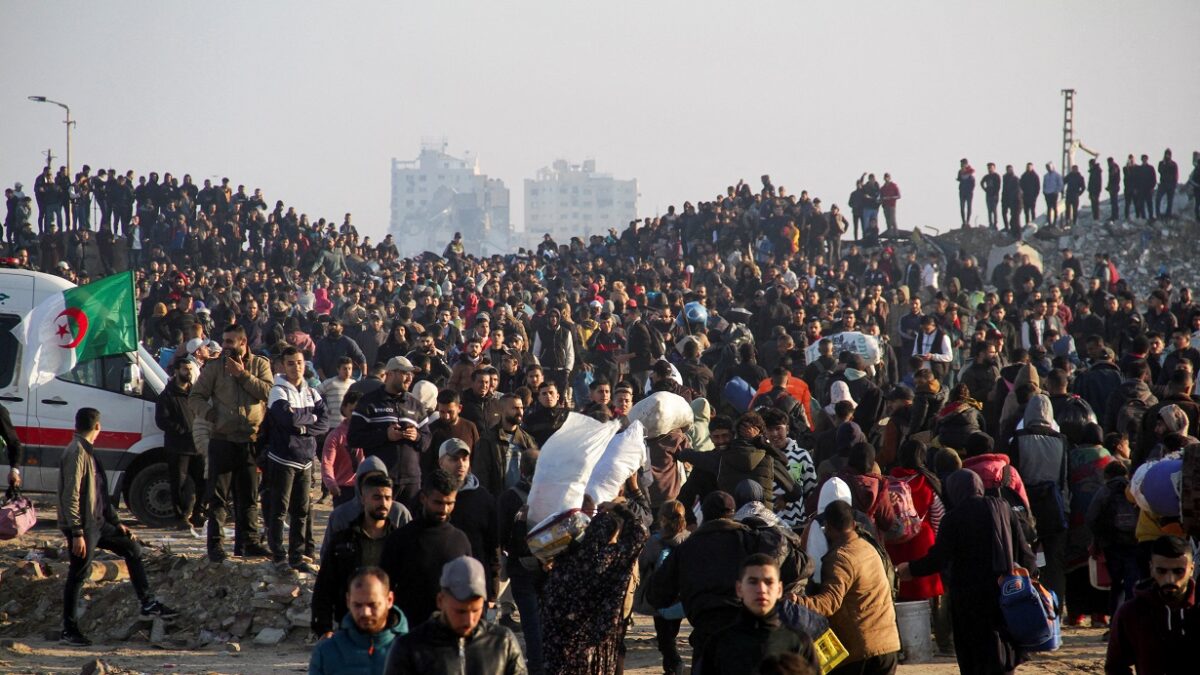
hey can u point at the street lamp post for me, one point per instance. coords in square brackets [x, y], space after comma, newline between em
[69, 122]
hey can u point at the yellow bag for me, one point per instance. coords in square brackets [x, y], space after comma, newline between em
[830, 651]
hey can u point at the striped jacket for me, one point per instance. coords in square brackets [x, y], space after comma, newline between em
[295, 417]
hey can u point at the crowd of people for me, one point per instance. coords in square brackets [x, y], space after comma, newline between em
[988, 426]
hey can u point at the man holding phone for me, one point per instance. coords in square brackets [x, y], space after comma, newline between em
[231, 394]
[387, 424]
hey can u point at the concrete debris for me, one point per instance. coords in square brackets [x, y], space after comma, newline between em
[270, 636]
[223, 604]
[1142, 250]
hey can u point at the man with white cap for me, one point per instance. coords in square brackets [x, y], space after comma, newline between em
[456, 639]
[387, 424]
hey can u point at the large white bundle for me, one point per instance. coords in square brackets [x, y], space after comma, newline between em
[866, 346]
[625, 454]
[566, 463]
[662, 412]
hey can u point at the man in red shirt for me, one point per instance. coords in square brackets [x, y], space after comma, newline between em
[890, 194]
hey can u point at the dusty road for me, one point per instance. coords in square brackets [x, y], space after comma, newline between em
[24, 649]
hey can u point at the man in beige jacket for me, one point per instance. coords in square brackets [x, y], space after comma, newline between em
[856, 597]
[88, 520]
[231, 395]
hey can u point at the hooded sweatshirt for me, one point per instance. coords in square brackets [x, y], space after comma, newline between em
[1152, 635]
[1041, 452]
[834, 490]
[344, 515]
[353, 652]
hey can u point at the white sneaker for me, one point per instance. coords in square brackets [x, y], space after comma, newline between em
[196, 533]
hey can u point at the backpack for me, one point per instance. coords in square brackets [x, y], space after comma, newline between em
[1030, 612]
[822, 383]
[1046, 502]
[1129, 420]
[674, 612]
[1022, 514]
[908, 522]
[889, 570]
[1124, 512]
[738, 394]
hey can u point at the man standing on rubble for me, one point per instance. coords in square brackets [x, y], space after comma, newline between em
[88, 520]
[231, 394]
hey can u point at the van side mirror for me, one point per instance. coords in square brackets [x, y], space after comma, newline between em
[131, 380]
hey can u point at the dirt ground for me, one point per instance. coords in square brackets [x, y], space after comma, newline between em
[24, 649]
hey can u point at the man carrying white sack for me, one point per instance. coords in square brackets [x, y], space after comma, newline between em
[665, 418]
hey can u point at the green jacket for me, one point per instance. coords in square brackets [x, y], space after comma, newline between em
[83, 505]
[235, 406]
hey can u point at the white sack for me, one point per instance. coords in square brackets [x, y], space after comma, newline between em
[625, 454]
[662, 412]
[566, 463]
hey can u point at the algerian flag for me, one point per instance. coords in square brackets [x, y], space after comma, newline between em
[79, 324]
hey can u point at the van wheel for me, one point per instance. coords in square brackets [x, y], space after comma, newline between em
[150, 496]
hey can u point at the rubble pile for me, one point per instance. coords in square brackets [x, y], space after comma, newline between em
[223, 604]
[1141, 250]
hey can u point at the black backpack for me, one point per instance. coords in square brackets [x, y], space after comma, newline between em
[1022, 515]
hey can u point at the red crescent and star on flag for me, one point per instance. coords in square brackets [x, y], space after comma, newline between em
[69, 337]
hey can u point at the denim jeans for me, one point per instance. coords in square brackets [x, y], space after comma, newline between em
[109, 538]
[526, 586]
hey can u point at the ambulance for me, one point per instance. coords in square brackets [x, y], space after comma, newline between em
[122, 387]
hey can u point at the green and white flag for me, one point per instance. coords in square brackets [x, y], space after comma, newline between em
[79, 324]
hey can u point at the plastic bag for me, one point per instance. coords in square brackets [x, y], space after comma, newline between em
[866, 346]
[660, 413]
[625, 454]
[566, 463]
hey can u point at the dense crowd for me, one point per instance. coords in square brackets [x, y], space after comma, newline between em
[872, 423]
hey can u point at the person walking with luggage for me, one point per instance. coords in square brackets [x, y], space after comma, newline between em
[89, 521]
[978, 540]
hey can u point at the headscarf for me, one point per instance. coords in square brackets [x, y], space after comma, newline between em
[963, 487]
[834, 489]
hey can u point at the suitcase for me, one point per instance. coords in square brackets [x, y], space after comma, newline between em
[17, 515]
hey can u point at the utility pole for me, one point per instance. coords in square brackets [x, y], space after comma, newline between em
[49, 153]
[1068, 150]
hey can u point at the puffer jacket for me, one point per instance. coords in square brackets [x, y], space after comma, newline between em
[433, 648]
[746, 459]
[990, 468]
[957, 421]
[235, 406]
[173, 415]
[352, 652]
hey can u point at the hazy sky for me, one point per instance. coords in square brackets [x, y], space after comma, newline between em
[311, 100]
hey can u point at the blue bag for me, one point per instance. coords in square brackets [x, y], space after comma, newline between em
[1030, 612]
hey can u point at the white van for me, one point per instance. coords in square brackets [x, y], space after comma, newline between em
[122, 387]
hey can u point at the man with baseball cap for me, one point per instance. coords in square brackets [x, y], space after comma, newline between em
[474, 510]
[387, 423]
[456, 639]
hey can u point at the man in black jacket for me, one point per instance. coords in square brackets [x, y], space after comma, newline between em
[413, 556]
[351, 549]
[758, 632]
[555, 349]
[13, 448]
[474, 511]
[455, 640]
[496, 458]
[1010, 201]
[174, 417]
[1114, 188]
[1075, 186]
[702, 570]
[385, 424]
[990, 183]
[1095, 184]
[1031, 187]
